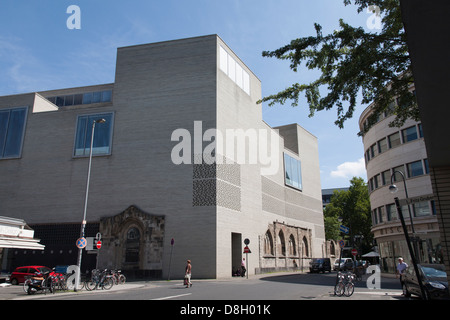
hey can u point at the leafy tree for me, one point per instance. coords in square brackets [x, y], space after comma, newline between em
[353, 207]
[353, 63]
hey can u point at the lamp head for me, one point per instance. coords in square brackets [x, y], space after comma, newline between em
[393, 188]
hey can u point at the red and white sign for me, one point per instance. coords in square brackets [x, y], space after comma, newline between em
[354, 252]
[98, 244]
[247, 249]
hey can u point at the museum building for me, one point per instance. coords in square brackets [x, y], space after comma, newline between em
[183, 167]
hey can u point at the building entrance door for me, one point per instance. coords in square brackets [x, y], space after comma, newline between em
[236, 252]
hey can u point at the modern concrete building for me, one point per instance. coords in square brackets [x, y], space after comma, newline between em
[389, 153]
[183, 167]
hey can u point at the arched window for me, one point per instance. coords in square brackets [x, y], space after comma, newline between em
[305, 247]
[332, 248]
[281, 243]
[292, 247]
[132, 245]
[268, 243]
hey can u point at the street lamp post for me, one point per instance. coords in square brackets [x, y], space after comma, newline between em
[411, 251]
[393, 189]
[83, 223]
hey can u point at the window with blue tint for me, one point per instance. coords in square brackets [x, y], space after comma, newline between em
[409, 134]
[96, 97]
[293, 172]
[415, 169]
[106, 96]
[12, 128]
[87, 98]
[102, 135]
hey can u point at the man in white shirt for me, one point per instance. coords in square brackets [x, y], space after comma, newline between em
[401, 269]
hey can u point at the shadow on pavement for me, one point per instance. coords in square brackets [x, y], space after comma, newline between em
[329, 279]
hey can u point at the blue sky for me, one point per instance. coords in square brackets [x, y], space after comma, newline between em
[38, 52]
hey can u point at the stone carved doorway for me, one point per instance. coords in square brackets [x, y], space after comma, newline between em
[133, 242]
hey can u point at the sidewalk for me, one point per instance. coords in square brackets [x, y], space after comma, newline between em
[10, 292]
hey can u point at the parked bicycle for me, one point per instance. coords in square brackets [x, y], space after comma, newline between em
[99, 279]
[118, 277]
[344, 285]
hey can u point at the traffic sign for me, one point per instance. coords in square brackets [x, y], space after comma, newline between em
[98, 244]
[344, 229]
[247, 250]
[341, 243]
[81, 243]
[354, 252]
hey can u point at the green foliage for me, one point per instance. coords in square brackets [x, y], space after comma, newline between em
[354, 63]
[353, 207]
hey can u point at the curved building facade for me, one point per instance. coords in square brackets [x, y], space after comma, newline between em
[389, 153]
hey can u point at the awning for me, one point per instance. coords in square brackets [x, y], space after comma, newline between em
[16, 234]
[371, 254]
[31, 244]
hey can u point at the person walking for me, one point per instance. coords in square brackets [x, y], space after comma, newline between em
[187, 274]
[401, 269]
[243, 269]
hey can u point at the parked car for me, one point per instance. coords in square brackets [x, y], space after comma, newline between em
[21, 273]
[4, 277]
[434, 280]
[346, 264]
[320, 265]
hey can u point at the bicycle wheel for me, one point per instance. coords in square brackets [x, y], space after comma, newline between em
[122, 279]
[107, 283]
[90, 285]
[25, 285]
[339, 289]
[349, 288]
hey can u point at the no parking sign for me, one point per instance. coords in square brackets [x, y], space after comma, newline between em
[81, 243]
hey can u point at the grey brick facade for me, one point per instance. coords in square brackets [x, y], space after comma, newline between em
[208, 209]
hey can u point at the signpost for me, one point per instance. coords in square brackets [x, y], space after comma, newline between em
[354, 252]
[172, 242]
[246, 251]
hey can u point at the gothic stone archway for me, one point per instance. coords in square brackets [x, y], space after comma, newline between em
[133, 242]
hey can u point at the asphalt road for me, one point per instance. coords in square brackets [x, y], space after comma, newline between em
[272, 287]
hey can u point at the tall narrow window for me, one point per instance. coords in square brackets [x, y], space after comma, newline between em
[293, 172]
[12, 128]
[102, 135]
[292, 247]
[268, 243]
[281, 244]
[132, 246]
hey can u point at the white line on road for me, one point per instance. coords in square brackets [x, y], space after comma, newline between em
[171, 297]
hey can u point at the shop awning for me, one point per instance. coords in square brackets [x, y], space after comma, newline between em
[16, 234]
[31, 244]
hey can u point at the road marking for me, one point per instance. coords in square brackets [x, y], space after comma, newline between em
[381, 293]
[171, 297]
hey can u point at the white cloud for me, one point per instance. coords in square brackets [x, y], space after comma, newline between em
[350, 169]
